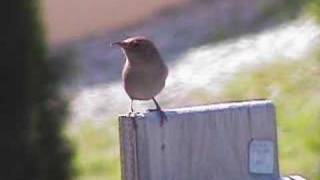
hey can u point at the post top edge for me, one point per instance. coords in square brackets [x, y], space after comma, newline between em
[207, 107]
[225, 105]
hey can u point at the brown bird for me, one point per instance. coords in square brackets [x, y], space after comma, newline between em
[144, 73]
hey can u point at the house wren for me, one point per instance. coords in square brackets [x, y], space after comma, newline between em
[144, 73]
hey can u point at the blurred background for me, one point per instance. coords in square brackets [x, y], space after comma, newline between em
[61, 104]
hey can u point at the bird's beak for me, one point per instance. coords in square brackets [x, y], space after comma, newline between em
[119, 43]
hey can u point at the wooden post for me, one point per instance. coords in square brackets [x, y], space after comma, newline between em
[229, 141]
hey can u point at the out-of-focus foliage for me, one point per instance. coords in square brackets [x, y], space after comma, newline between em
[295, 89]
[32, 144]
[310, 6]
[314, 7]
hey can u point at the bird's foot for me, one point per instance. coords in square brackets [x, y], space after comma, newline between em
[163, 116]
[132, 114]
[152, 110]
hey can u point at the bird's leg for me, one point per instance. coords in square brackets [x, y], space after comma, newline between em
[132, 114]
[131, 108]
[163, 116]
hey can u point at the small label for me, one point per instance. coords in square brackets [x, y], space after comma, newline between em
[261, 157]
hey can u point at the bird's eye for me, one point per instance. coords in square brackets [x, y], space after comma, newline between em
[135, 44]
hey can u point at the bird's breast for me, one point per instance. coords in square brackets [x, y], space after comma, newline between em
[145, 81]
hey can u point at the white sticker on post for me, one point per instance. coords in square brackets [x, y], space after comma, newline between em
[261, 157]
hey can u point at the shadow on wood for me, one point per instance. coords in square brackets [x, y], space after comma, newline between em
[230, 141]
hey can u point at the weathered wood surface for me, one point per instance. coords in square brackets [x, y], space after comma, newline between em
[197, 143]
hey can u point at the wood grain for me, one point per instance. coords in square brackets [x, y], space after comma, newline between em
[197, 143]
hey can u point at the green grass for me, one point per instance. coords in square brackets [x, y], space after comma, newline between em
[294, 87]
[97, 151]
[313, 7]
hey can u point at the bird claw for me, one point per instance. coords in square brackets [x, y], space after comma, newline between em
[152, 110]
[132, 114]
[163, 116]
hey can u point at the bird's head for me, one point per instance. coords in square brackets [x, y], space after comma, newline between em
[138, 48]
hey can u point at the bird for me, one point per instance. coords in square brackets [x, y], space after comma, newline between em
[144, 73]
